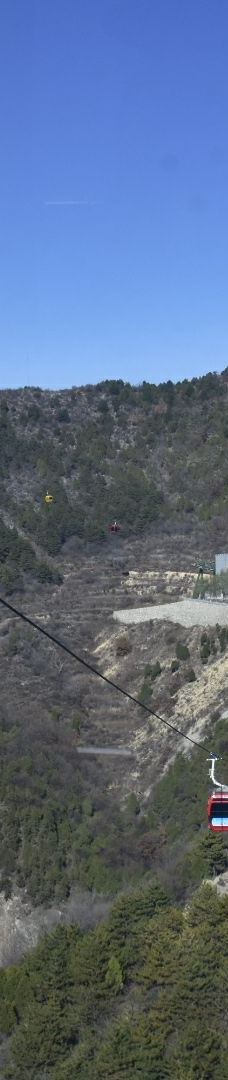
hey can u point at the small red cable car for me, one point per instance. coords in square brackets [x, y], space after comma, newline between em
[218, 812]
[114, 528]
[217, 807]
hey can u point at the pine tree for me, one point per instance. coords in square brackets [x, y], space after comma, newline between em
[114, 975]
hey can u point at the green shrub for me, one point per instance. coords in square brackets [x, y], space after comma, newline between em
[155, 670]
[34, 413]
[132, 804]
[145, 693]
[62, 415]
[223, 638]
[103, 407]
[215, 853]
[151, 673]
[205, 651]
[76, 722]
[44, 573]
[114, 975]
[13, 641]
[123, 645]
[56, 712]
[10, 578]
[182, 651]
[175, 665]
[87, 807]
[190, 675]
[6, 887]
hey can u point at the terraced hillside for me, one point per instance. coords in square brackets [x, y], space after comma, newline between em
[70, 820]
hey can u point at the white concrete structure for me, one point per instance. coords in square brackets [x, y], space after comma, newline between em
[221, 563]
[186, 612]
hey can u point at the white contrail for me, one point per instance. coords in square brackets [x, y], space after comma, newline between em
[69, 202]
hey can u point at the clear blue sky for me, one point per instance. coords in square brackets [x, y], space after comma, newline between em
[113, 190]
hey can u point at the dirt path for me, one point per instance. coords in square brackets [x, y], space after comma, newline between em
[109, 751]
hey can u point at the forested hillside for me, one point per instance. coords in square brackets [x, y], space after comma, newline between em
[131, 997]
[144, 995]
[147, 454]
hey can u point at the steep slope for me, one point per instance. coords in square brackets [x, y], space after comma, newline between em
[142, 454]
[69, 820]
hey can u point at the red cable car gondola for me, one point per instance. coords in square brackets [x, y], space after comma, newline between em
[217, 807]
[114, 527]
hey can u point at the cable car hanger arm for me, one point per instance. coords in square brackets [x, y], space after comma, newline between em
[222, 787]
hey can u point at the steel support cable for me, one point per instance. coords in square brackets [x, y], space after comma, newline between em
[94, 671]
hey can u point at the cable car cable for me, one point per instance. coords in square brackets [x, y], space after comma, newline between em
[86, 664]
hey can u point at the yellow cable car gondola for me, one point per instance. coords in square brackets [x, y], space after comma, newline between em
[49, 498]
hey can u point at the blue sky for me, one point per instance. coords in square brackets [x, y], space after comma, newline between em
[113, 190]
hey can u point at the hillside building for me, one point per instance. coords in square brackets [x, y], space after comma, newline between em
[221, 563]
